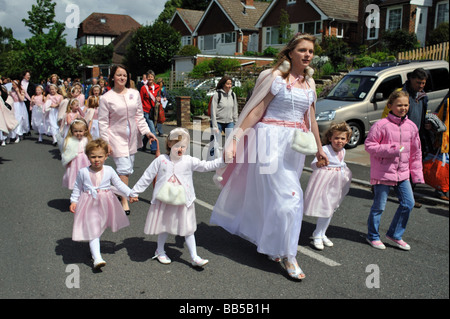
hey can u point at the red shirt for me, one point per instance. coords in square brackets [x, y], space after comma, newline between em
[147, 101]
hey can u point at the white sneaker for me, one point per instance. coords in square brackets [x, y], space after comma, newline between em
[199, 262]
[3, 143]
[17, 140]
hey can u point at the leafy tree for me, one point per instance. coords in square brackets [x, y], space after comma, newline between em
[97, 54]
[439, 35]
[152, 47]
[399, 41]
[46, 52]
[40, 17]
[335, 48]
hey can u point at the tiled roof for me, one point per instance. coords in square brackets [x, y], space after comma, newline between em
[190, 17]
[247, 21]
[107, 24]
[342, 9]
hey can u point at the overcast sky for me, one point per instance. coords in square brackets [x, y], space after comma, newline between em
[13, 11]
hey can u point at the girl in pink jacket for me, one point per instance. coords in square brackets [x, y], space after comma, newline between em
[395, 155]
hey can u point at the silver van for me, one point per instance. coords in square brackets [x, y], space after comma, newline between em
[360, 97]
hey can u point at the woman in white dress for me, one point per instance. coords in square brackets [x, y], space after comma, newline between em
[262, 199]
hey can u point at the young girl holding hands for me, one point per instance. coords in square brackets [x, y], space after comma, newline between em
[173, 214]
[328, 184]
[72, 156]
[93, 202]
[395, 154]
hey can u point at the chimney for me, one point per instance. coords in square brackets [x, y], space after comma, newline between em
[248, 3]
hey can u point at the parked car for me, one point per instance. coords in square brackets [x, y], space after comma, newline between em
[209, 85]
[360, 97]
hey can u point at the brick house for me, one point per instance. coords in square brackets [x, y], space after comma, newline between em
[104, 29]
[318, 17]
[227, 27]
[415, 16]
[185, 21]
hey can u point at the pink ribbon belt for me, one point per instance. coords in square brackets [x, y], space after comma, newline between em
[283, 123]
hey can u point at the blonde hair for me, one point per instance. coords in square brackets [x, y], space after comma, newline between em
[284, 63]
[69, 105]
[77, 122]
[395, 95]
[342, 127]
[98, 143]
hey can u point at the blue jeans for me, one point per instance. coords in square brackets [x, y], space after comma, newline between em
[151, 126]
[406, 204]
[223, 127]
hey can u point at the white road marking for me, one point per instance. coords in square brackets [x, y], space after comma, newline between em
[318, 257]
[304, 251]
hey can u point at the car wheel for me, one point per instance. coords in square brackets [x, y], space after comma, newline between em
[357, 135]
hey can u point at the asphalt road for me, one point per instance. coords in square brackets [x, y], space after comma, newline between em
[39, 260]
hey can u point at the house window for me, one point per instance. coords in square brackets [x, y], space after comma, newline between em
[394, 19]
[229, 37]
[291, 1]
[340, 30]
[313, 27]
[372, 32]
[207, 42]
[441, 13]
[186, 40]
[273, 35]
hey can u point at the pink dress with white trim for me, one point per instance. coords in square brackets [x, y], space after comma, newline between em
[97, 206]
[80, 161]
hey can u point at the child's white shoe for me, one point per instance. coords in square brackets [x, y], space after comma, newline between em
[199, 262]
[162, 258]
[99, 264]
[327, 242]
[317, 243]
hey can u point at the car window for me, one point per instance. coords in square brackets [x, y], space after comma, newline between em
[352, 88]
[389, 85]
[439, 79]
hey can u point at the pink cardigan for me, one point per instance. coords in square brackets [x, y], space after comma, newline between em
[383, 143]
[115, 112]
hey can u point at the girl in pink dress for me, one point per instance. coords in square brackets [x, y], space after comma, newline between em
[38, 112]
[173, 214]
[52, 107]
[73, 157]
[20, 110]
[328, 184]
[73, 112]
[94, 204]
[91, 115]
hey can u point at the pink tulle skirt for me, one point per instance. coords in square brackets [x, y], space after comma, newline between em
[173, 219]
[93, 216]
[70, 175]
[325, 191]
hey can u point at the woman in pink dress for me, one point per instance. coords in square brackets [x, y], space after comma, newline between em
[94, 204]
[121, 123]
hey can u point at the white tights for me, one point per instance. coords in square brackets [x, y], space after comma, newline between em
[94, 245]
[190, 243]
[321, 227]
